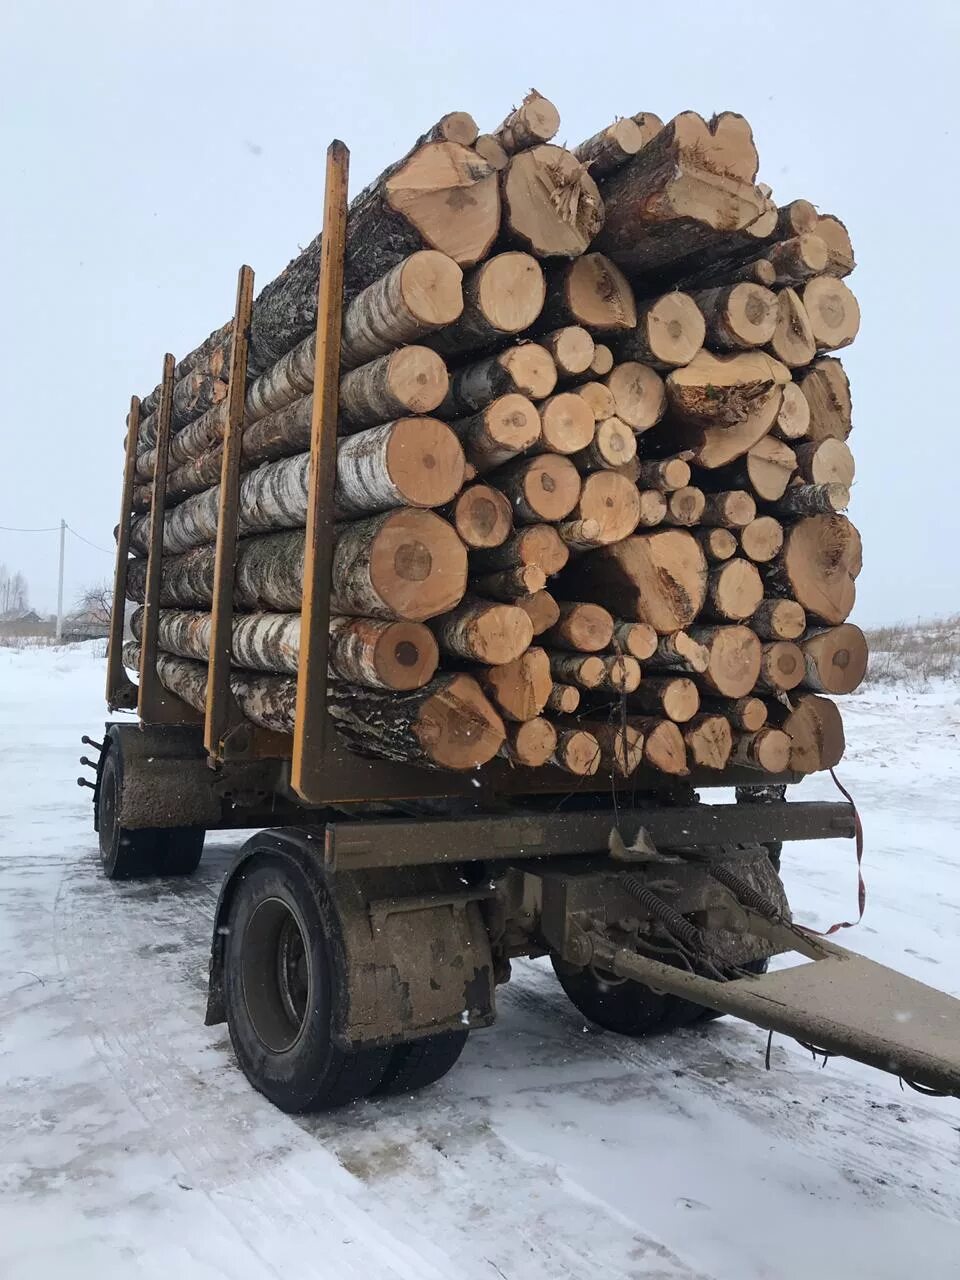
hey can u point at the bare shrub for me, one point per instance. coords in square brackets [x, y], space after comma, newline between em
[914, 654]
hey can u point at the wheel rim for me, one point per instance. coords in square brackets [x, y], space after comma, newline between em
[276, 975]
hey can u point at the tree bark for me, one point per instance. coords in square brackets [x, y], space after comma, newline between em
[527, 370]
[572, 348]
[543, 488]
[482, 631]
[738, 316]
[826, 390]
[512, 584]
[779, 620]
[612, 147]
[679, 652]
[551, 205]
[535, 121]
[815, 499]
[667, 475]
[835, 659]
[564, 699]
[762, 539]
[582, 628]
[590, 291]
[481, 516]
[411, 380]
[675, 697]
[535, 544]
[834, 312]
[502, 297]
[659, 578]
[669, 332]
[798, 258]
[818, 567]
[734, 661]
[709, 740]
[519, 689]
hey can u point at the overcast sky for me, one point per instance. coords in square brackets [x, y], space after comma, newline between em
[150, 148]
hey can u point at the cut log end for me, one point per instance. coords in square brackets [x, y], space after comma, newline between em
[585, 628]
[578, 752]
[709, 741]
[833, 312]
[779, 620]
[762, 539]
[414, 565]
[815, 732]
[835, 659]
[782, 666]
[520, 689]
[767, 750]
[566, 423]
[542, 610]
[638, 394]
[551, 204]
[485, 632]
[482, 516]
[457, 727]
[530, 744]
[734, 662]
[535, 121]
[572, 348]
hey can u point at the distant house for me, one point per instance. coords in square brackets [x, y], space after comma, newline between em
[16, 624]
[86, 624]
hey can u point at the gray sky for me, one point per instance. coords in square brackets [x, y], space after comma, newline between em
[150, 148]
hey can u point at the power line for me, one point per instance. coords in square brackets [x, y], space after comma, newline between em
[106, 550]
[12, 528]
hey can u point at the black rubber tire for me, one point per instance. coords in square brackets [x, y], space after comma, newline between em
[419, 1063]
[124, 854]
[282, 995]
[629, 1008]
[179, 850]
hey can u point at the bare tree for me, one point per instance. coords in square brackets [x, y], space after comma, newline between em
[96, 603]
[14, 591]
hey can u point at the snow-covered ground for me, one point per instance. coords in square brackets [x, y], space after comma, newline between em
[131, 1146]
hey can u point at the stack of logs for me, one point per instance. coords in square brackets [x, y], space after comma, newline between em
[591, 468]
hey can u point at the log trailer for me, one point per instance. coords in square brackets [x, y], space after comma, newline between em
[361, 934]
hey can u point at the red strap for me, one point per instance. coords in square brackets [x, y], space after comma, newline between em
[861, 886]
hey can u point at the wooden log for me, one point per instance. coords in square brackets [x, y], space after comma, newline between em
[621, 673]
[815, 730]
[709, 740]
[572, 348]
[535, 121]
[669, 332]
[590, 291]
[840, 259]
[542, 610]
[717, 544]
[512, 584]
[748, 713]
[833, 311]
[681, 195]
[413, 462]
[679, 652]
[455, 126]
[675, 697]
[613, 445]
[382, 654]
[659, 578]
[448, 724]
[577, 752]
[835, 660]
[620, 745]
[826, 462]
[663, 745]
[613, 502]
[584, 671]
[781, 666]
[818, 567]
[411, 380]
[581, 627]
[653, 508]
[519, 689]
[551, 205]
[738, 316]
[602, 361]
[793, 340]
[815, 499]
[666, 474]
[766, 469]
[734, 659]
[638, 639]
[767, 750]
[611, 147]
[492, 151]
[579, 535]
[506, 427]
[543, 488]
[728, 402]
[734, 591]
[600, 399]
[564, 699]
[733, 509]
[826, 389]
[685, 507]
[501, 297]
[762, 539]
[648, 123]
[639, 395]
[795, 218]
[483, 631]
[793, 419]
[779, 620]
[535, 544]
[482, 516]
[566, 423]
[798, 258]
[531, 743]
[526, 370]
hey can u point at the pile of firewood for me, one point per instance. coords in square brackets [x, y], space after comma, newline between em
[591, 468]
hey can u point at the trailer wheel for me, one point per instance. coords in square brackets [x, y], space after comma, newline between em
[179, 850]
[616, 1004]
[419, 1063]
[124, 853]
[283, 981]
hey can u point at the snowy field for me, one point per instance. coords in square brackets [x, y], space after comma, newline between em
[131, 1146]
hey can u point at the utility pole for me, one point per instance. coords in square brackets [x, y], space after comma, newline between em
[63, 530]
